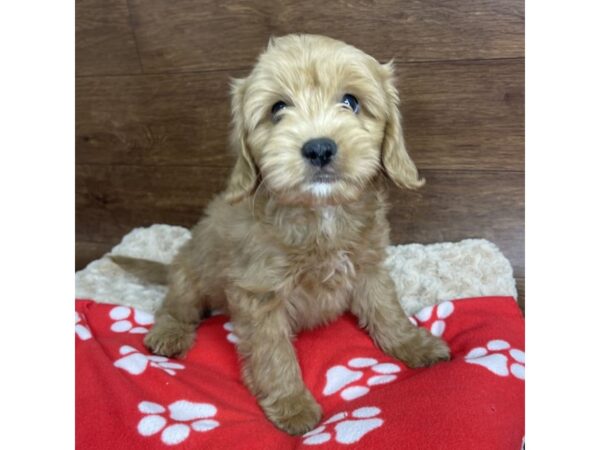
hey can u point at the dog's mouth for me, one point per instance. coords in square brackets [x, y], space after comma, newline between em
[324, 178]
[326, 175]
[322, 183]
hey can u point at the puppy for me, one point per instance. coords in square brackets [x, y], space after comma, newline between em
[299, 235]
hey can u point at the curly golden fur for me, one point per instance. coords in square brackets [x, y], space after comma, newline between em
[289, 245]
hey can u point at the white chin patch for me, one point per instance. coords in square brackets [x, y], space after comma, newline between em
[320, 189]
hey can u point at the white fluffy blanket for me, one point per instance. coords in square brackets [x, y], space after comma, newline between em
[424, 274]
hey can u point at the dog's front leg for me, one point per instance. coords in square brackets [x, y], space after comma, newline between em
[376, 305]
[270, 367]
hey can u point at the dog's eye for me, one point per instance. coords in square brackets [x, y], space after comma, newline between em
[351, 102]
[278, 107]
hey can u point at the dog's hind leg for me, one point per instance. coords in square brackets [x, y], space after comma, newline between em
[175, 327]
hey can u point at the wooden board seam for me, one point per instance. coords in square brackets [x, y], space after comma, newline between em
[135, 40]
[248, 68]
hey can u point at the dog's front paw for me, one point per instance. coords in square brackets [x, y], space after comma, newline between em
[295, 414]
[421, 349]
[170, 338]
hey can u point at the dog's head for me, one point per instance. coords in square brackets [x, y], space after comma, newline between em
[315, 122]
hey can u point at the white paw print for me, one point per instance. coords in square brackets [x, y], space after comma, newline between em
[348, 428]
[498, 357]
[135, 362]
[439, 314]
[184, 416]
[231, 336]
[130, 320]
[82, 331]
[340, 377]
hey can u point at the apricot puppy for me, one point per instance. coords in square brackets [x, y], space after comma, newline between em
[299, 235]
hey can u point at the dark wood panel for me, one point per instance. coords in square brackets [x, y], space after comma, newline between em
[86, 252]
[104, 40]
[464, 114]
[164, 119]
[452, 206]
[198, 35]
[521, 291]
[459, 205]
[457, 115]
[111, 200]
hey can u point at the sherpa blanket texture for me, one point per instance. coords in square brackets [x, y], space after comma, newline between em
[424, 274]
[130, 399]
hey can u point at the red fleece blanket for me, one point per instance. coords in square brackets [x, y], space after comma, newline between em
[129, 399]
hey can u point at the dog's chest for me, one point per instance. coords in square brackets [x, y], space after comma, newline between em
[321, 289]
[322, 267]
[327, 222]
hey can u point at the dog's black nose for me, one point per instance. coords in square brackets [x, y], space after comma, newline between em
[319, 151]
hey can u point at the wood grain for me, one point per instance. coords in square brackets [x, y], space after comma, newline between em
[192, 35]
[111, 200]
[521, 291]
[464, 115]
[86, 252]
[159, 119]
[104, 40]
[457, 115]
[452, 206]
[457, 205]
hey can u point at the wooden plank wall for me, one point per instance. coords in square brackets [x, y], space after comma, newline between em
[152, 108]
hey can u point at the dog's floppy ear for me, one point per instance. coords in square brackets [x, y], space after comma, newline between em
[244, 176]
[394, 157]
